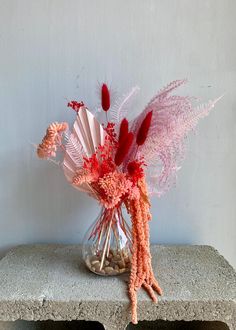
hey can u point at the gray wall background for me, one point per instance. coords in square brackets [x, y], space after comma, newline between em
[51, 50]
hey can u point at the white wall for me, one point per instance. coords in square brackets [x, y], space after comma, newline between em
[51, 50]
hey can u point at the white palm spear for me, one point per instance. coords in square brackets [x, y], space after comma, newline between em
[86, 136]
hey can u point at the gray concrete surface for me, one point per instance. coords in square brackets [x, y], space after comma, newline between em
[50, 282]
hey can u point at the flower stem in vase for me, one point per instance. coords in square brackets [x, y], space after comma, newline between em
[106, 246]
[106, 242]
[99, 238]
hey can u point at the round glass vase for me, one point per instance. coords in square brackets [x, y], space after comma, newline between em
[107, 244]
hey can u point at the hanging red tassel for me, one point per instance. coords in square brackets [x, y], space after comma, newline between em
[144, 128]
[124, 129]
[105, 97]
[123, 149]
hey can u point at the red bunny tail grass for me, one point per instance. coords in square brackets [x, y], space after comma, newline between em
[144, 128]
[123, 149]
[124, 129]
[105, 97]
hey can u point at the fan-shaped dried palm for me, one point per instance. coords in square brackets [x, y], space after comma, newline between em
[86, 136]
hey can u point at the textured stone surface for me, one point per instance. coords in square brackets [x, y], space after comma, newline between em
[42, 282]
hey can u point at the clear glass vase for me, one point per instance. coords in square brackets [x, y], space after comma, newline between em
[107, 244]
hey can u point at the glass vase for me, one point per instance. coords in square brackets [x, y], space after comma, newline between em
[107, 244]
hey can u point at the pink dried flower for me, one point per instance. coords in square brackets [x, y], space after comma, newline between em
[113, 188]
[51, 140]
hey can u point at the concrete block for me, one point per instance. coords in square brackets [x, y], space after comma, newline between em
[50, 282]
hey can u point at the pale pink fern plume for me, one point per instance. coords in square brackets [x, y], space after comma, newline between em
[173, 118]
[122, 106]
[161, 100]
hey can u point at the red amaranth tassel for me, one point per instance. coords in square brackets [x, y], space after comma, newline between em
[124, 129]
[144, 128]
[105, 97]
[123, 149]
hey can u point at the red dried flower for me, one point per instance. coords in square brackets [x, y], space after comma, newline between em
[144, 128]
[124, 129]
[110, 130]
[123, 149]
[75, 105]
[135, 169]
[91, 164]
[105, 154]
[105, 97]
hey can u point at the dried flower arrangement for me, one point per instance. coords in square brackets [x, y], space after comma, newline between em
[120, 163]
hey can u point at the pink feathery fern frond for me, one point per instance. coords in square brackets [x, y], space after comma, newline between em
[121, 106]
[160, 101]
[164, 150]
[165, 147]
[161, 104]
[168, 89]
[75, 151]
